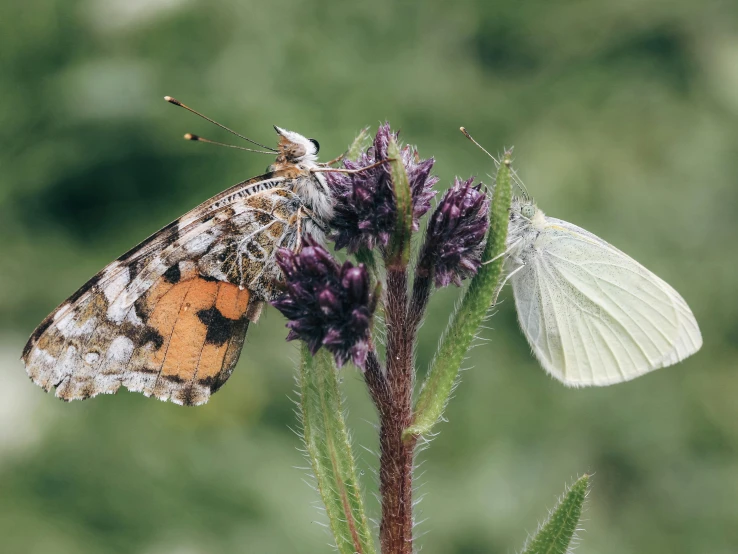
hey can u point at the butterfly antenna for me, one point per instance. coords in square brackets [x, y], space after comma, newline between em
[517, 180]
[519, 183]
[186, 107]
[197, 138]
[467, 135]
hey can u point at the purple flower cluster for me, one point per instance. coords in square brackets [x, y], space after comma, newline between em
[365, 211]
[455, 237]
[326, 304]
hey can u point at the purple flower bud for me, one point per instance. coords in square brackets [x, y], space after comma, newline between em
[455, 238]
[365, 211]
[326, 304]
[356, 285]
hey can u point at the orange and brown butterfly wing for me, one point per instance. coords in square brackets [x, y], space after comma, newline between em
[169, 318]
[192, 334]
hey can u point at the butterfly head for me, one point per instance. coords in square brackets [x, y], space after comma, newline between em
[528, 210]
[296, 149]
[524, 212]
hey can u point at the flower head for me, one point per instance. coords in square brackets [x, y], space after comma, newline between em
[326, 304]
[365, 210]
[455, 238]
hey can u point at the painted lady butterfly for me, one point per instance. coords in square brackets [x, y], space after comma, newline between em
[169, 317]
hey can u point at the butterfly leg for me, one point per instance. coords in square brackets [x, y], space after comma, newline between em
[298, 242]
[307, 213]
[348, 171]
[507, 251]
[298, 221]
[334, 160]
[499, 288]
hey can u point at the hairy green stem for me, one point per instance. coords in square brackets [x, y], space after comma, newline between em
[465, 321]
[329, 449]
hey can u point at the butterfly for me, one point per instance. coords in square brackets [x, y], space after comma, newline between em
[591, 313]
[168, 318]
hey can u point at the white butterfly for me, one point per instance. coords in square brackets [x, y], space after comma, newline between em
[592, 314]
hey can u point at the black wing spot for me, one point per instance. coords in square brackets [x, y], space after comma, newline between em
[188, 396]
[151, 335]
[254, 250]
[141, 309]
[220, 328]
[262, 218]
[208, 382]
[173, 275]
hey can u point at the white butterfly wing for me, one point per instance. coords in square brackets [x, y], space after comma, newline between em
[595, 316]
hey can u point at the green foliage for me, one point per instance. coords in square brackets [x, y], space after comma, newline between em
[466, 319]
[555, 535]
[329, 449]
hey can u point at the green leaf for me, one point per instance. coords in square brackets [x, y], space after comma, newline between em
[329, 449]
[362, 141]
[554, 536]
[465, 321]
[398, 250]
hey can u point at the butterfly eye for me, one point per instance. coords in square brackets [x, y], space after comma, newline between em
[528, 211]
[316, 144]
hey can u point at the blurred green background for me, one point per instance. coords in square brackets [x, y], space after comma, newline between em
[624, 118]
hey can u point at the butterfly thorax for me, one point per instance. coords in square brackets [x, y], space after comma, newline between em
[525, 225]
[298, 204]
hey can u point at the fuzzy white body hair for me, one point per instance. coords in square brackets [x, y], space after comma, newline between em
[317, 198]
[312, 188]
[522, 231]
[316, 195]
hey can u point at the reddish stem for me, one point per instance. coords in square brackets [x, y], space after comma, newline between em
[395, 411]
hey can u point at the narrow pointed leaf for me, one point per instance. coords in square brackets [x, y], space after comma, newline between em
[556, 533]
[329, 449]
[467, 318]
